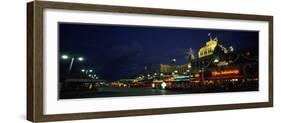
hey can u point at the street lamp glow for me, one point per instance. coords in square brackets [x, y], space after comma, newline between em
[64, 57]
[163, 85]
[153, 85]
[83, 70]
[90, 70]
[216, 60]
[231, 49]
[80, 58]
[189, 66]
[174, 60]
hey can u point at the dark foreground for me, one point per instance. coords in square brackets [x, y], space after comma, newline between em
[123, 91]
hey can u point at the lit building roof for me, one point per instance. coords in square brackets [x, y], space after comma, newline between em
[209, 48]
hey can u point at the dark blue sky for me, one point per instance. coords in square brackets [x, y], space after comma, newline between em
[121, 51]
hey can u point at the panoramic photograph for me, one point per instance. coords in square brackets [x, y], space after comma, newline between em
[107, 60]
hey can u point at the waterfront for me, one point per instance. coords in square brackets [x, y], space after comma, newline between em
[146, 91]
[155, 61]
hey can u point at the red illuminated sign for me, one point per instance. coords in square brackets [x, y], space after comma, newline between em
[225, 72]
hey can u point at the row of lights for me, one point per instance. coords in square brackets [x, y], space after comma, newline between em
[73, 58]
[67, 57]
[161, 74]
[93, 76]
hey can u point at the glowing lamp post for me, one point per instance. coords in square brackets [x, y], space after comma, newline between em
[83, 70]
[65, 57]
[188, 70]
[216, 61]
[163, 85]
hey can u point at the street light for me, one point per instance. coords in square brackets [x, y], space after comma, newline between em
[188, 70]
[80, 58]
[216, 60]
[83, 70]
[65, 57]
[163, 85]
[189, 66]
[231, 49]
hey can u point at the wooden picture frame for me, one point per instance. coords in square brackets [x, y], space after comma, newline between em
[35, 46]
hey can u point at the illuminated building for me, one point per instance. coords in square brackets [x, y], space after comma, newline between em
[217, 63]
[164, 68]
[215, 67]
[209, 48]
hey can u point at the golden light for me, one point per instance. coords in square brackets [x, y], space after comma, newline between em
[197, 75]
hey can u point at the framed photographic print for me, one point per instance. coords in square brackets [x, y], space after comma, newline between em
[96, 61]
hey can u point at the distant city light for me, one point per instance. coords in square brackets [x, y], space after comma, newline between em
[197, 75]
[216, 60]
[231, 49]
[163, 85]
[189, 65]
[90, 87]
[90, 70]
[83, 70]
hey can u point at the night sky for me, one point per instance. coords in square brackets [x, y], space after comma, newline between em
[121, 51]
